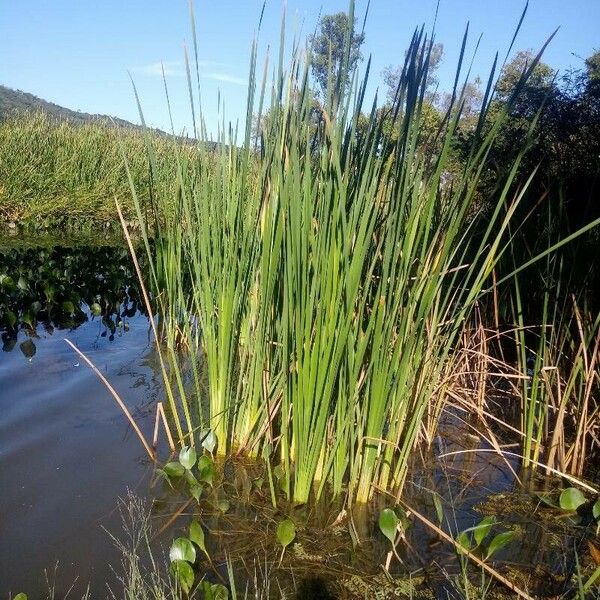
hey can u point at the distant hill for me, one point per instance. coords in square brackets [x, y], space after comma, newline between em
[15, 101]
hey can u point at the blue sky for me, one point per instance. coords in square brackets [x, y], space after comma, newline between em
[77, 53]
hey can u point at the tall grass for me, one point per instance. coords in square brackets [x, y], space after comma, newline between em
[323, 277]
[53, 171]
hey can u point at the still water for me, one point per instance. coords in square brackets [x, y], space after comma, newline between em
[67, 454]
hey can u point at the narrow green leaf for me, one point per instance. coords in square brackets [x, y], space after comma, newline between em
[197, 535]
[498, 542]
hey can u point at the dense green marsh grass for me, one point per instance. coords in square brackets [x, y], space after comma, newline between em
[324, 275]
[53, 172]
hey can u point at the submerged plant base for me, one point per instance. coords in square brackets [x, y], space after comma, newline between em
[328, 556]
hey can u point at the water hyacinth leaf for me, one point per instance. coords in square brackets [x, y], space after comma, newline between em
[208, 439]
[184, 574]
[481, 530]
[388, 523]
[28, 349]
[206, 468]
[96, 309]
[223, 505]
[182, 549]
[187, 457]
[197, 535]
[20, 596]
[596, 510]
[286, 532]
[571, 499]
[196, 492]
[174, 469]
[36, 307]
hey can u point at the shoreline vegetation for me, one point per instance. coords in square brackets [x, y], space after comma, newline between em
[335, 286]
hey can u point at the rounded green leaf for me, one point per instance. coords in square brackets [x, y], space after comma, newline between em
[96, 309]
[571, 499]
[388, 523]
[206, 469]
[6, 281]
[286, 532]
[20, 596]
[219, 592]
[182, 549]
[197, 535]
[187, 457]
[184, 574]
[68, 307]
[223, 505]
[174, 469]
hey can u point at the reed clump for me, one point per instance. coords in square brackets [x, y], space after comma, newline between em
[322, 274]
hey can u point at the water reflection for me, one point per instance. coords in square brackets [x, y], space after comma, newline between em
[43, 289]
[67, 453]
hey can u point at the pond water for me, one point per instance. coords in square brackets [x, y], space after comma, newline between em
[66, 451]
[68, 454]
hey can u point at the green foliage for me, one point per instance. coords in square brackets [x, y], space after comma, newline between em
[55, 173]
[286, 532]
[388, 524]
[571, 499]
[328, 48]
[473, 539]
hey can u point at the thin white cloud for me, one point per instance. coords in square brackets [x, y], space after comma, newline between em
[176, 68]
[225, 78]
[173, 68]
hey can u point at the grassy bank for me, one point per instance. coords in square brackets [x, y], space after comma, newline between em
[55, 173]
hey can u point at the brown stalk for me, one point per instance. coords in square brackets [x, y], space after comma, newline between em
[116, 397]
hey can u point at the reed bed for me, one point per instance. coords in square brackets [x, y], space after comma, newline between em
[54, 172]
[322, 276]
